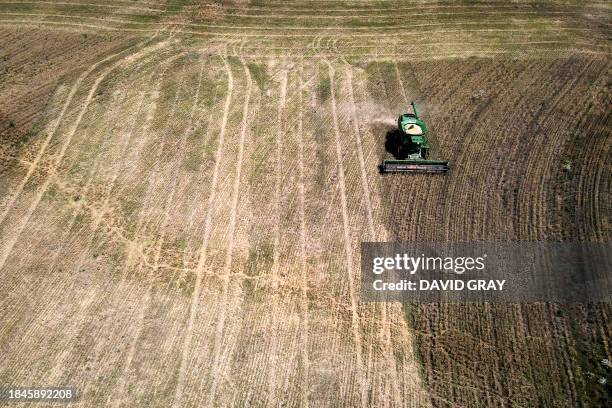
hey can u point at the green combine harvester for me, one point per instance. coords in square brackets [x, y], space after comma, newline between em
[412, 147]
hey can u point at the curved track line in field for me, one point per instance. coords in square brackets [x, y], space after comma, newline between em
[538, 209]
[115, 173]
[207, 135]
[76, 210]
[8, 249]
[205, 239]
[303, 263]
[156, 257]
[118, 395]
[339, 31]
[131, 131]
[230, 247]
[146, 128]
[191, 126]
[370, 31]
[77, 325]
[155, 264]
[347, 243]
[417, 14]
[554, 52]
[364, 176]
[53, 129]
[152, 268]
[97, 220]
[407, 49]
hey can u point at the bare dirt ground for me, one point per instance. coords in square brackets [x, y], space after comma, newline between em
[181, 225]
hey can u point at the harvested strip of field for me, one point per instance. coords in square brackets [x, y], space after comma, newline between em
[510, 181]
[182, 227]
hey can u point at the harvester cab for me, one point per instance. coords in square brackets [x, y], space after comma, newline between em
[412, 148]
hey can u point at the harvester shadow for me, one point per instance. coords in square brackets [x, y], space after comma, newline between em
[393, 144]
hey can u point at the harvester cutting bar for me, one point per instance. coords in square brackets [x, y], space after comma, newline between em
[414, 166]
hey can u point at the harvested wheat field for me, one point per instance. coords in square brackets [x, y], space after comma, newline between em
[184, 187]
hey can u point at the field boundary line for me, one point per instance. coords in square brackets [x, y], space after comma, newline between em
[207, 135]
[155, 266]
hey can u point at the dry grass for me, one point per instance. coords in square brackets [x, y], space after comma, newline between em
[183, 228]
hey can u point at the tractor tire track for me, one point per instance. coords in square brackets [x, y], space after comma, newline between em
[232, 226]
[373, 236]
[6, 250]
[53, 130]
[400, 82]
[82, 207]
[83, 309]
[306, 32]
[361, 380]
[156, 258]
[304, 395]
[142, 225]
[273, 352]
[199, 272]
[362, 166]
[62, 3]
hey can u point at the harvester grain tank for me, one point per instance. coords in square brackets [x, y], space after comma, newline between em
[412, 148]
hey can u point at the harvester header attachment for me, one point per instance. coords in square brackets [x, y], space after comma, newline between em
[412, 147]
[415, 166]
